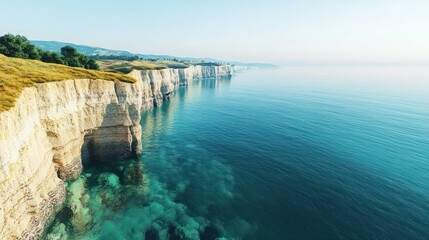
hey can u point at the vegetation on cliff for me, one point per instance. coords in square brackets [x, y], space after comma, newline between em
[17, 74]
[119, 65]
[19, 47]
[114, 57]
[74, 59]
[123, 66]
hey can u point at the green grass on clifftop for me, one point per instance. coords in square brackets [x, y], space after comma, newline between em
[17, 74]
[122, 66]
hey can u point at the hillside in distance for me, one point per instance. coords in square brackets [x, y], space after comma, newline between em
[55, 46]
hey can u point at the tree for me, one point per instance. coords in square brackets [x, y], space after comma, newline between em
[83, 60]
[71, 57]
[69, 52]
[51, 57]
[92, 64]
[72, 62]
[18, 46]
[31, 51]
[74, 59]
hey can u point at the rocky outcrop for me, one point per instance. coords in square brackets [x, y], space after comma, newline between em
[56, 126]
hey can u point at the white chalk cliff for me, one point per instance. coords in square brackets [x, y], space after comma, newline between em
[55, 126]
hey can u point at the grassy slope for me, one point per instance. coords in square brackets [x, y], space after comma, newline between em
[122, 66]
[16, 74]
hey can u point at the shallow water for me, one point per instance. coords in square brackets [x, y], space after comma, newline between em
[293, 153]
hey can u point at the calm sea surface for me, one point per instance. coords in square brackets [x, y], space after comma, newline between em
[290, 153]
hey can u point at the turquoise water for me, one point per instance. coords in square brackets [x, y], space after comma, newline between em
[293, 153]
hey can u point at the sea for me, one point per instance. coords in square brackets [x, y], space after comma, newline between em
[276, 154]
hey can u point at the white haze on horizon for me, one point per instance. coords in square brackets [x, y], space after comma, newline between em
[309, 32]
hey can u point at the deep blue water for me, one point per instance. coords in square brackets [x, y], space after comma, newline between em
[292, 153]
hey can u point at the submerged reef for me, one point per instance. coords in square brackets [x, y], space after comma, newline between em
[126, 202]
[95, 195]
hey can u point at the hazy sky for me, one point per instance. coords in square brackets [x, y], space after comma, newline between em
[282, 32]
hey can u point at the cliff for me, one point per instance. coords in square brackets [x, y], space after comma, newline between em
[55, 126]
[164, 81]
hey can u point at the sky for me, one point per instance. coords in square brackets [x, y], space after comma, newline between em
[286, 32]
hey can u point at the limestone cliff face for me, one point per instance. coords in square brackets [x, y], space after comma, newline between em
[163, 82]
[56, 126]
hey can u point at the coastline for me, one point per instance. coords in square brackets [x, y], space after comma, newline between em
[55, 126]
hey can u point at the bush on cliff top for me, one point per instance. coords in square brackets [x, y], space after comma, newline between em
[17, 74]
[19, 47]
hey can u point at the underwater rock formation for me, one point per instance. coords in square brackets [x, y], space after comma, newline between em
[78, 201]
[56, 126]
